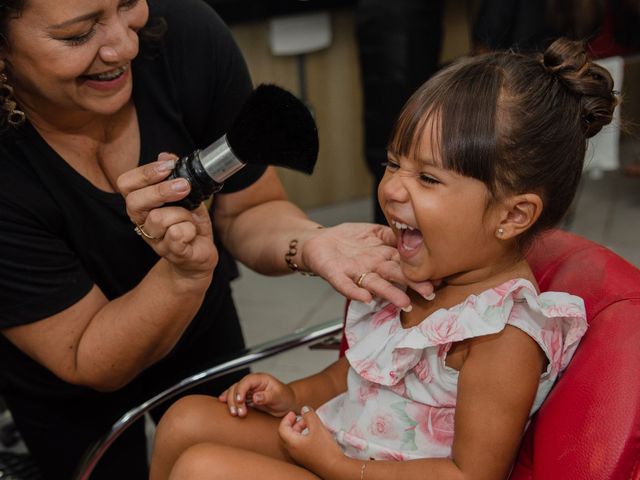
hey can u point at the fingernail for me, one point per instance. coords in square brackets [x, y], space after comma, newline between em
[234, 410]
[257, 397]
[165, 165]
[305, 409]
[240, 411]
[238, 398]
[180, 185]
[430, 297]
[298, 418]
[305, 432]
[407, 309]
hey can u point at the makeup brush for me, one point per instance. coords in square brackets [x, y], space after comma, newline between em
[272, 128]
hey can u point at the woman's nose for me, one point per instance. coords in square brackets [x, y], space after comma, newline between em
[120, 44]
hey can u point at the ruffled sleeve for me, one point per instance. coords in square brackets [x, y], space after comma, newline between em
[383, 352]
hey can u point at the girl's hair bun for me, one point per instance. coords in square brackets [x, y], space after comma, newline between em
[568, 60]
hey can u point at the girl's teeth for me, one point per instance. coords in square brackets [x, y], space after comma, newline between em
[402, 226]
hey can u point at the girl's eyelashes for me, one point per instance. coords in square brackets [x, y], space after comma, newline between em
[423, 177]
[428, 179]
[390, 165]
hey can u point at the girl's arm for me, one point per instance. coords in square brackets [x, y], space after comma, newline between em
[497, 385]
[317, 389]
[268, 394]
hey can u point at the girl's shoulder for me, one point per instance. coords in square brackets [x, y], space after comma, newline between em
[555, 320]
[515, 302]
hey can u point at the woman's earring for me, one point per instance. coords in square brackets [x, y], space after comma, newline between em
[500, 231]
[15, 116]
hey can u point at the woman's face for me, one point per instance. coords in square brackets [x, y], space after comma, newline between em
[73, 55]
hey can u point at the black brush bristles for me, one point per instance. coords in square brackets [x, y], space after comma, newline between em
[275, 128]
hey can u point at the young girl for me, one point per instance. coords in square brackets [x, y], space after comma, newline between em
[485, 155]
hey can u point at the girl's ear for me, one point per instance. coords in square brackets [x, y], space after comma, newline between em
[520, 212]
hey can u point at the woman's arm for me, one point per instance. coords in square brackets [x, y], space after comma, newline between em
[105, 344]
[257, 225]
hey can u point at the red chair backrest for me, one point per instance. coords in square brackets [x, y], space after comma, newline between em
[589, 426]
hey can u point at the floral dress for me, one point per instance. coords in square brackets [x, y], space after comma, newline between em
[401, 396]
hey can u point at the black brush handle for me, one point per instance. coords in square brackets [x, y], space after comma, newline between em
[202, 185]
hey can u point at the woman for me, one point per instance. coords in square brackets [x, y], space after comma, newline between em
[95, 318]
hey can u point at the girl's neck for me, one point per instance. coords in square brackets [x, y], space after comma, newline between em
[455, 289]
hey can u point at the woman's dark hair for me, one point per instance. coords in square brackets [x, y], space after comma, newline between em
[518, 123]
[8, 9]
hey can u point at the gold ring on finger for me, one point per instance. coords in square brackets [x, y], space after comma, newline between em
[140, 231]
[361, 278]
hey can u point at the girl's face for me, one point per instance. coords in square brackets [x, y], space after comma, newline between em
[74, 55]
[442, 220]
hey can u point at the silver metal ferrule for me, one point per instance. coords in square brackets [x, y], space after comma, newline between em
[219, 161]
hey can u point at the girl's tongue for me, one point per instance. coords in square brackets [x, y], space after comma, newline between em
[410, 239]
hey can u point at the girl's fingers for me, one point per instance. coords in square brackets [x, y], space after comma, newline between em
[299, 425]
[223, 396]
[286, 426]
[231, 400]
[237, 397]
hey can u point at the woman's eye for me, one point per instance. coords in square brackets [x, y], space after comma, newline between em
[80, 39]
[128, 4]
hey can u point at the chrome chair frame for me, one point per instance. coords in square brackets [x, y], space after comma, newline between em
[251, 355]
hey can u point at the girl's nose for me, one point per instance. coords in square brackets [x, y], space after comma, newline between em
[392, 187]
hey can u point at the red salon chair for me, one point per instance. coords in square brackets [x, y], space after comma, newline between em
[589, 426]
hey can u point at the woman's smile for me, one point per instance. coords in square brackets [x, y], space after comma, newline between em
[75, 58]
[107, 81]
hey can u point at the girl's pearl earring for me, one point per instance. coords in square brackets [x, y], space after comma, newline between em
[500, 231]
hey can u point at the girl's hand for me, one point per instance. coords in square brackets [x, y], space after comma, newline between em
[260, 391]
[183, 238]
[309, 443]
[342, 254]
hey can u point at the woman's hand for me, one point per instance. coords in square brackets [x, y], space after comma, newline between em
[260, 391]
[183, 238]
[344, 253]
[309, 443]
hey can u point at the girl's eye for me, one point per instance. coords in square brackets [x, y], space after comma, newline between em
[80, 39]
[391, 166]
[427, 179]
[128, 4]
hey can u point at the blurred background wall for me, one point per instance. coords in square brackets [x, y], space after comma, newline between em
[329, 79]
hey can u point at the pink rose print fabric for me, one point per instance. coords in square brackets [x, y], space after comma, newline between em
[401, 396]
